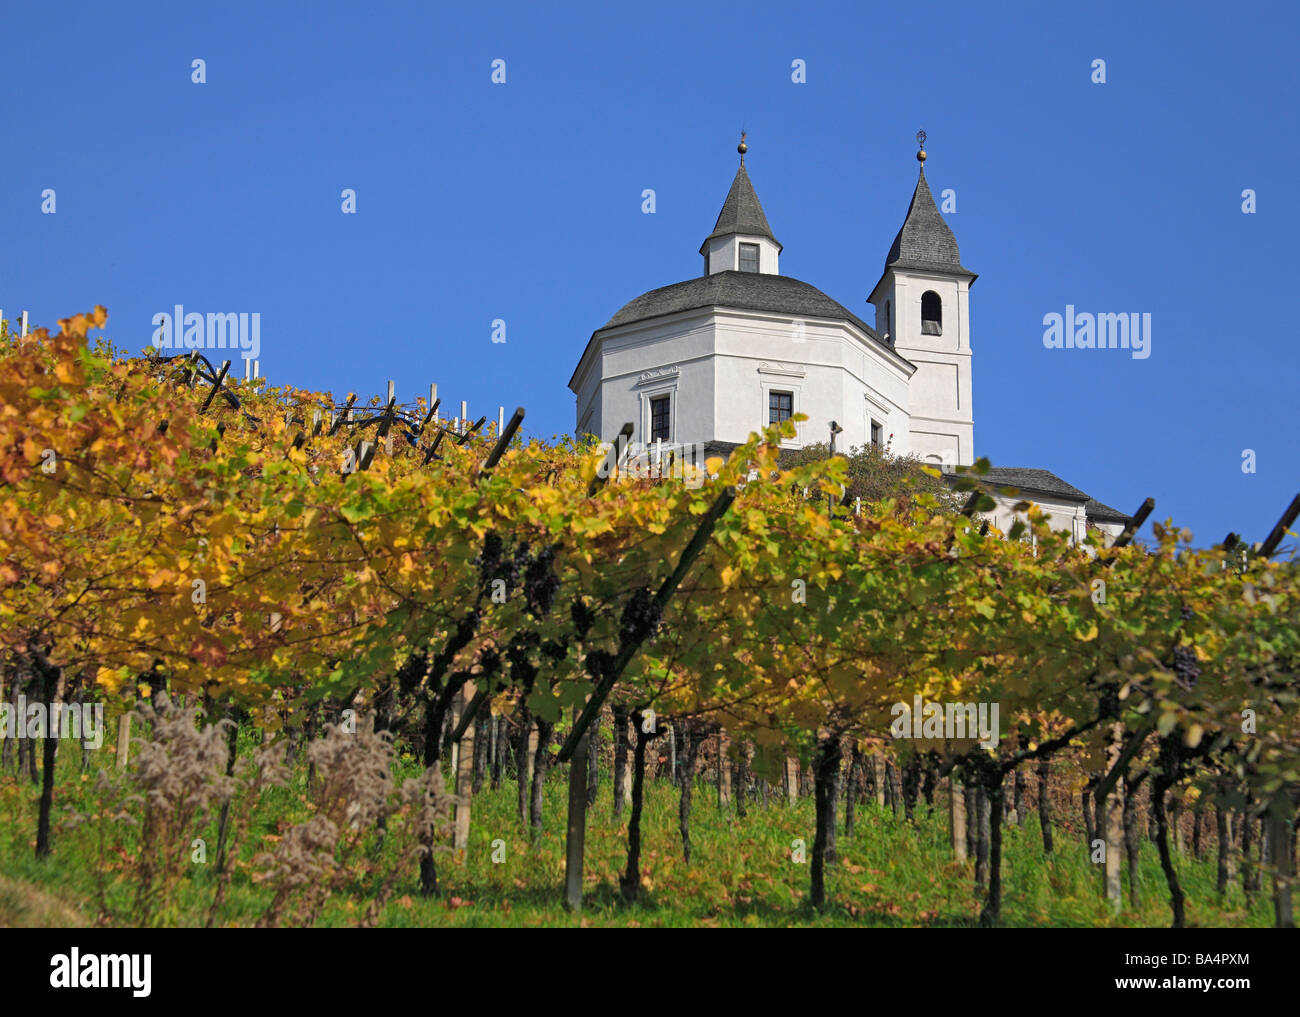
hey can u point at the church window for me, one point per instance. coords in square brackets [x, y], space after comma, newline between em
[877, 433]
[931, 313]
[659, 418]
[749, 257]
[780, 406]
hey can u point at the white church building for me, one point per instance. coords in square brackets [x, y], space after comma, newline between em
[714, 358]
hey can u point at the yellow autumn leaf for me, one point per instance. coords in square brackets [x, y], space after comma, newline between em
[108, 679]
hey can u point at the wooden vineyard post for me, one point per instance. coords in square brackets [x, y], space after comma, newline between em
[576, 832]
[1278, 831]
[457, 704]
[957, 819]
[791, 779]
[123, 739]
[1111, 826]
[388, 438]
[532, 751]
[627, 762]
[1107, 825]
[724, 771]
[1113, 834]
[462, 753]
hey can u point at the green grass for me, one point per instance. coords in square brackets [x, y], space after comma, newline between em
[889, 873]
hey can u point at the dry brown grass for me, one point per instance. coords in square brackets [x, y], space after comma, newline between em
[23, 906]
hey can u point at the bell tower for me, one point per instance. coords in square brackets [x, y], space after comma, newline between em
[922, 302]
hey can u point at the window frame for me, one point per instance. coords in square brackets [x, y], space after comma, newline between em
[740, 257]
[937, 322]
[665, 397]
[654, 390]
[774, 391]
[781, 377]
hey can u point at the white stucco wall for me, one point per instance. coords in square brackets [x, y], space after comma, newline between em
[1061, 513]
[940, 401]
[718, 368]
[722, 254]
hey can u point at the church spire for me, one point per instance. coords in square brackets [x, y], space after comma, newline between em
[741, 227]
[925, 239]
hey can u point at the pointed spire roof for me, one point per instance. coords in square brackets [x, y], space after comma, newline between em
[925, 241]
[741, 213]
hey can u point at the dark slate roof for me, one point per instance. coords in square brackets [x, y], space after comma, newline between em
[1006, 476]
[1043, 482]
[1028, 479]
[741, 213]
[746, 291]
[925, 241]
[1099, 513]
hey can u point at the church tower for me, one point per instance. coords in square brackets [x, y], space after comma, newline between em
[922, 304]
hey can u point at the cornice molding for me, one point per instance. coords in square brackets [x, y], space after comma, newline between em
[656, 376]
[784, 370]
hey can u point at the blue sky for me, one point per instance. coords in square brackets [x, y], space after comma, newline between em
[522, 201]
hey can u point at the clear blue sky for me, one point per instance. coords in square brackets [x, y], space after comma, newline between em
[522, 201]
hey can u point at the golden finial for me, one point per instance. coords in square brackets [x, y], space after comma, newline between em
[920, 141]
[742, 148]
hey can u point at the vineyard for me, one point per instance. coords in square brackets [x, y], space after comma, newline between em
[368, 665]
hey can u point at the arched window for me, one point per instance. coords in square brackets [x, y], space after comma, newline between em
[931, 313]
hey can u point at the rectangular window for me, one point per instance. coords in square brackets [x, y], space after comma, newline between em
[780, 406]
[749, 257]
[659, 418]
[877, 433]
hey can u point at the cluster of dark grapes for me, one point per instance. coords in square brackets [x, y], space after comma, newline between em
[533, 571]
[491, 560]
[412, 672]
[1186, 666]
[540, 581]
[640, 617]
[522, 669]
[494, 563]
[583, 617]
[599, 664]
[489, 661]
